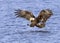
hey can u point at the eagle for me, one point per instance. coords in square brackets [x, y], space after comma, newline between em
[38, 21]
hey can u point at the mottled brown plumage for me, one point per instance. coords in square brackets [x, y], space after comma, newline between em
[24, 14]
[39, 21]
[43, 16]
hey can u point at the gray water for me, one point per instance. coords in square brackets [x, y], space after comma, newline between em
[15, 30]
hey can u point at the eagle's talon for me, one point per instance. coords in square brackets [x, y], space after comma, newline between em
[40, 25]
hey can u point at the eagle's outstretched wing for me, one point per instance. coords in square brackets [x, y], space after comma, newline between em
[43, 16]
[25, 14]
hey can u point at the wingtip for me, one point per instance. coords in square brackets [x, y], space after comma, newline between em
[17, 11]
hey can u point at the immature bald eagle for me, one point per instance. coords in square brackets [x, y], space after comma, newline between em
[35, 21]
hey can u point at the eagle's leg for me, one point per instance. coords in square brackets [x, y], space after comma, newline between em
[40, 25]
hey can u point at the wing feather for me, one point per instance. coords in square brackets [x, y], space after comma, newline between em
[43, 16]
[24, 14]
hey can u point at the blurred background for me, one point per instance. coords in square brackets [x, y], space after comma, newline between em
[16, 30]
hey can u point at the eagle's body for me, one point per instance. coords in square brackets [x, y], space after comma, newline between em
[35, 21]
